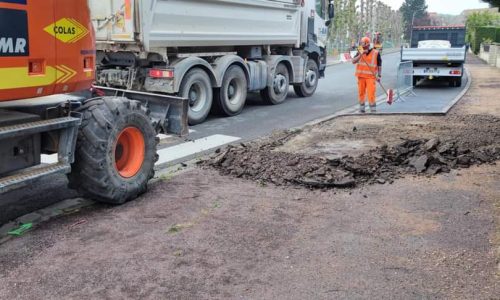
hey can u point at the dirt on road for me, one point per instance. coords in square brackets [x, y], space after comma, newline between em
[432, 233]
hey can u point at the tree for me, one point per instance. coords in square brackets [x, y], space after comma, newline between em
[492, 3]
[413, 11]
[479, 19]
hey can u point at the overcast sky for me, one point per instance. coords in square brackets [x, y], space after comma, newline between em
[452, 7]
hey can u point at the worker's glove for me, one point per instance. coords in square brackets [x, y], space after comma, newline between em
[379, 77]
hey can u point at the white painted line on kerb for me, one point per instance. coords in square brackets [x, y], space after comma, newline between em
[49, 159]
[169, 136]
[176, 152]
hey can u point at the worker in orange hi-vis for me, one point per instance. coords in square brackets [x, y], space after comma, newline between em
[368, 71]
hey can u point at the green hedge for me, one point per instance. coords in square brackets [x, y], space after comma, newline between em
[482, 33]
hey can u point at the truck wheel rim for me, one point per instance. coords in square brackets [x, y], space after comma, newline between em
[197, 96]
[280, 84]
[129, 152]
[311, 78]
[234, 92]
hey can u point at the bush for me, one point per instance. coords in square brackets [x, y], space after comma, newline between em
[482, 34]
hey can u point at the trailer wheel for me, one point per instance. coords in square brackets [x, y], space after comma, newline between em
[115, 152]
[277, 93]
[197, 88]
[453, 82]
[415, 80]
[231, 97]
[308, 87]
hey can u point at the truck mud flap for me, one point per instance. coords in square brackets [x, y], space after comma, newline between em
[169, 114]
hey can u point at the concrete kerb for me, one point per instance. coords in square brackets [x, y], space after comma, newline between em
[43, 215]
[352, 111]
[462, 93]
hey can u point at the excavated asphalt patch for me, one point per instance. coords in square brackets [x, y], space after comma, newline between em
[463, 140]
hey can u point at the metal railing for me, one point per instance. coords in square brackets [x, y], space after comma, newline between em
[404, 80]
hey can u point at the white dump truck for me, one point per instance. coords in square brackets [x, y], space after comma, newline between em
[212, 52]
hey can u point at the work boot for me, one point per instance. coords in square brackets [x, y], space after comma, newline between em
[373, 109]
[362, 108]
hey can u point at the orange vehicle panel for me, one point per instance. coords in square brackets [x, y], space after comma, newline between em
[46, 47]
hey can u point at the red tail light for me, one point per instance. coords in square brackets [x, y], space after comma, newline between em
[455, 72]
[157, 73]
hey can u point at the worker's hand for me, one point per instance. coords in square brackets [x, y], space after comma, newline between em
[379, 77]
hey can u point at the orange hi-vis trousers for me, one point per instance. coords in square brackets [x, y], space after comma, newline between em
[367, 86]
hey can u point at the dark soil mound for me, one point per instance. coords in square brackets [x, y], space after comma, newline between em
[478, 142]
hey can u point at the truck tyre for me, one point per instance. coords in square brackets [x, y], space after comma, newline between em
[230, 99]
[277, 93]
[197, 88]
[458, 82]
[115, 151]
[415, 80]
[310, 84]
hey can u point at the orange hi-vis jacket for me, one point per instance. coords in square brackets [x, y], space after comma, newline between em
[367, 71]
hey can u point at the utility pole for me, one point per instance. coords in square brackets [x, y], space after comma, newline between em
[411, 29]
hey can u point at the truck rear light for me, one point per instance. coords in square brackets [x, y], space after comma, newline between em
[455, 72]
[156, 73]
[88, 63]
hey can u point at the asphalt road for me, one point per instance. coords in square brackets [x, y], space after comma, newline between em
[337, 91]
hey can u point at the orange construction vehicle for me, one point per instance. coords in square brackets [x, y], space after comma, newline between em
[105, 138]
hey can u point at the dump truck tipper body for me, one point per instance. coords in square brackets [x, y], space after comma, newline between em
[180, 23]
[212, 52]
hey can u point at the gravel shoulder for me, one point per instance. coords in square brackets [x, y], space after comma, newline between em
[212, 234]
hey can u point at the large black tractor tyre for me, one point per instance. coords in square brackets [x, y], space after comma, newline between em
[277, 93]
[310, 84]
[197, 88]
[115, 150]
[231, 97]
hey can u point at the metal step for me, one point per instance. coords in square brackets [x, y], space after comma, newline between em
[20, 179]
[38, 126]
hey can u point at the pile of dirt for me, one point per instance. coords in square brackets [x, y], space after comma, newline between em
[261, 161]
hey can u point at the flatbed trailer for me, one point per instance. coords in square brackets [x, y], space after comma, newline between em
[433, 63]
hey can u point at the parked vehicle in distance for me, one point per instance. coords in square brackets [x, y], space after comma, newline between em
[437, 52]
[212, 52]
[433, 44]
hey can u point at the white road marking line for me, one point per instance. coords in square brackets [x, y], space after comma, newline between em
[49, 159]
[164, 136]
[186, 149]
[175, 152]
[169, 136]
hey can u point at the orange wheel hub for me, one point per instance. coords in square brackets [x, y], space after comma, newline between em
[129, 152]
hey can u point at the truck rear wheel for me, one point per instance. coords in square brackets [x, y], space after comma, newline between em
[231, 97]
[277, 93]
[310, 84]
[197, 88]
[115, 152]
